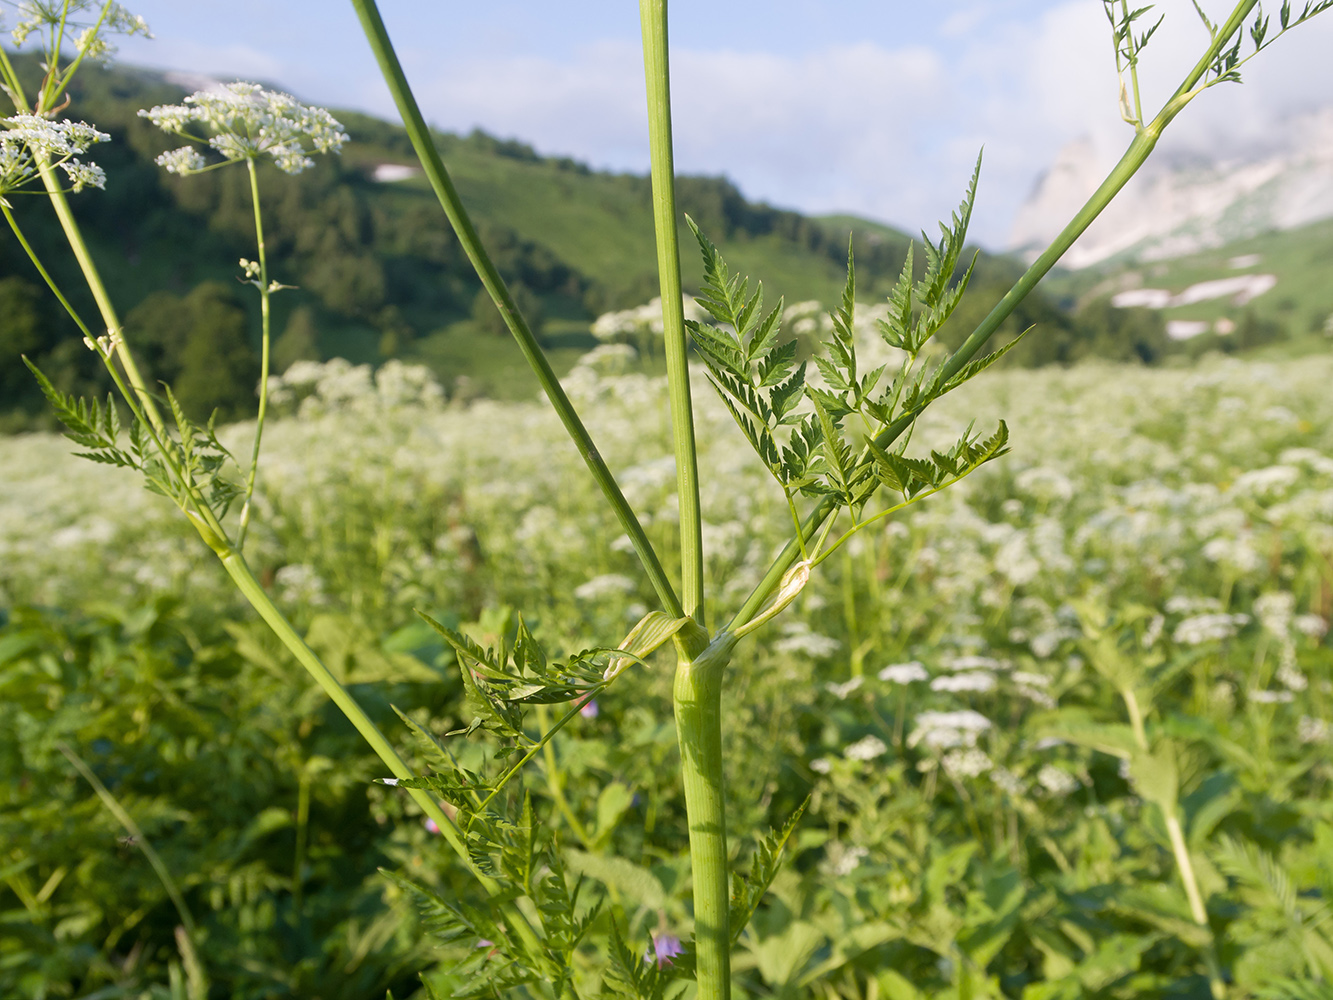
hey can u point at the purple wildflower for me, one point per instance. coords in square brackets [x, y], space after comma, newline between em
[590, 710]
[665, 947]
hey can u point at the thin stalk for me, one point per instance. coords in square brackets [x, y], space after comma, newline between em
[158, 434]
[443, 185]
[1133, 68]
[697, 694]
[94, 279]
[1178, 847]
[1184, 864]
[41, 269]
[302, 832]
[1134, 157]
[657, 75]
[114, 807]
[855, 664]
[264, 296]
[51, 96]
[245, 581]
[11, 80]
[160, 440]
[535, 749]
[553, 781]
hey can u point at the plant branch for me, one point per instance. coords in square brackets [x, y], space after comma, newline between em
[265, 294]
[440, 181]
[657, 73]
[1140, 147]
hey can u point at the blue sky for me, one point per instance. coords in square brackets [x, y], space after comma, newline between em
[871, 106]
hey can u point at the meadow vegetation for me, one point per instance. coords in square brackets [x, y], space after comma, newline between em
[1012, 856]
[1053, 726]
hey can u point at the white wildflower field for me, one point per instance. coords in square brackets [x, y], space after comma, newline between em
[937, 690]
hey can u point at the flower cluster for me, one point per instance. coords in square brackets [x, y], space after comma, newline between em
[247, 122]
[62, 16]
[28, 140]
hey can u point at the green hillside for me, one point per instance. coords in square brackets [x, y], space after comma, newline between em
[377, 270]
[1294, 316]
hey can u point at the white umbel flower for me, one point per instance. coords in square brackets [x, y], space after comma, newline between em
[248, 122]
[27, 140]
[186, 160]
[972, 680]
[943, 730]
[65, 17]
[866, 748]
[904, 673]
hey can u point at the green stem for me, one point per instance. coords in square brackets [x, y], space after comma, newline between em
[698, 703]
[160, 440]
[1184, 864]
[202, 514]
[245, 581]
[11, 80]
[94, 279]
[553, 781]
[51, 96]
[114, 807]
[657, 74]
[440, 181]
[264, 296]
[1134, 157]
[1133, 67]
[536, 748]
[1217, 984]
[302, 832]
[36, 262]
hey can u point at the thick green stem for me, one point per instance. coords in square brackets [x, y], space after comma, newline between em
[657, 74]
[264, 296]
[443, 185]
[698, 700]
[1135, 156]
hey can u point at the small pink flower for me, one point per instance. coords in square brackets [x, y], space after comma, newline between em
[432, 826]
[590, 710]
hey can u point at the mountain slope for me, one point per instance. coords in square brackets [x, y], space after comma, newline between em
[1171, 210]
[377, 271]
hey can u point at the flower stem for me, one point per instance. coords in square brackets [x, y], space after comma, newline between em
[657, 74]
[123, 817]
[264, 296]
[452, 204]
[93, 277]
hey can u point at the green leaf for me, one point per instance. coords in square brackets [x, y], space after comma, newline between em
[747, 891]
[638, 885]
